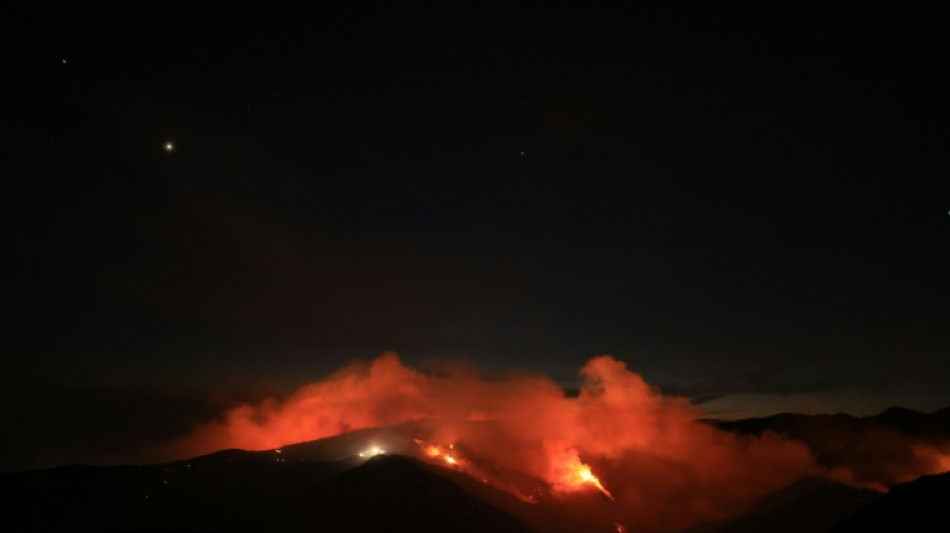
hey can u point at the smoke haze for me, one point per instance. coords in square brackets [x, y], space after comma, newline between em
[661, 464]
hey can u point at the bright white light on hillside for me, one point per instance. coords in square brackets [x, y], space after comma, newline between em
[375, 450]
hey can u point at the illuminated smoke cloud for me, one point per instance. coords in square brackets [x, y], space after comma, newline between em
[620, 452]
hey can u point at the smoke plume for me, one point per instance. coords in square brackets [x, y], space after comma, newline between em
[620, 453]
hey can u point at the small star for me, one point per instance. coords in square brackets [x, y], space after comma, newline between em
[63, 60]
[521, 153]
[169, 146]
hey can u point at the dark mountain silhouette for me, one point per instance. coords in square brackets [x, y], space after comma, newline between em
[881, 448]
[920, 505]
[906, 422]
[247, 491]
[325, 485]
[398, 491]
[810, 504]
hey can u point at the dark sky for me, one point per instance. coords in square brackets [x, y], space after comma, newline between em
[739, 204]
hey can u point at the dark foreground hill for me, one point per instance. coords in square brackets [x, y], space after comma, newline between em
[808, 505]
[920, 505]
[243, 491]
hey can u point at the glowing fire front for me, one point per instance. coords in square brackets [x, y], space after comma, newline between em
[576, 475]
[666, 467]
[446, 455]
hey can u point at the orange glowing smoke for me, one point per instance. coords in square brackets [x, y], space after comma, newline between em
[943, 464]
[934, 459]
[666, 469]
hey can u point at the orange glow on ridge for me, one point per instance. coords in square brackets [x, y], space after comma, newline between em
[667, 469]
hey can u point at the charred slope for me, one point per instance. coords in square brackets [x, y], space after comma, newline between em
[246, 491]
[396, 493]
[920, 505]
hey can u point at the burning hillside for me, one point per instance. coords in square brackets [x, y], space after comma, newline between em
[619, 452]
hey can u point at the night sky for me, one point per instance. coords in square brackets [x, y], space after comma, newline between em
[748, 207]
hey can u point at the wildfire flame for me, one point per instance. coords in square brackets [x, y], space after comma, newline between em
[667, 469]
[578, 475]
[437, 452]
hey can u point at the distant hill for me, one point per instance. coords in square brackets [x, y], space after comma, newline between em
[905, 422]
[884, 447]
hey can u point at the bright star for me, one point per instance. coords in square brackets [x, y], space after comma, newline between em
[169, 146]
